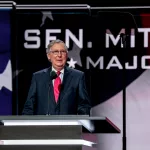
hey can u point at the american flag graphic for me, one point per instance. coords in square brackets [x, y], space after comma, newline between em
[5, 63]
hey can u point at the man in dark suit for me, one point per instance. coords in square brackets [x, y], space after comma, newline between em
[58, 90]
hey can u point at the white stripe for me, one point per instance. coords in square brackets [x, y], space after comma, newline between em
[67, 5]
[39, 7]
[2, 7]
[48, 142]
[5, 5]
[38, 122]
[6, 1]
[124, 7]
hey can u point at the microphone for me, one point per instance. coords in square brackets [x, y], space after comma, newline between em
[53, 75]
[123, 37]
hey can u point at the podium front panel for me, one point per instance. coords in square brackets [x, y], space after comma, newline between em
[39, 147]
[40, 132]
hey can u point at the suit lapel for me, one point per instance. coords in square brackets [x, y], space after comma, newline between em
[49, 86]
[65, 84]
[66, 81]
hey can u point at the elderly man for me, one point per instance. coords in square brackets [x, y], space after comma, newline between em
[57, 90]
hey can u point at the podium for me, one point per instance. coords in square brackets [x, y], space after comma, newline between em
[51, 132]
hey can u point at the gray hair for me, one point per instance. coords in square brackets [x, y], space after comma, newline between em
[54, 42]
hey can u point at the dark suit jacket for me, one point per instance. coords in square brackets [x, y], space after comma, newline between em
[73, 98]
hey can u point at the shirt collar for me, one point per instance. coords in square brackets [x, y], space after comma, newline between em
[62, 71]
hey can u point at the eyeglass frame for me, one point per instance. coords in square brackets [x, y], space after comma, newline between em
[57, 52]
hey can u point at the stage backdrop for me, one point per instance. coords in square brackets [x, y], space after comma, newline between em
[95, 47]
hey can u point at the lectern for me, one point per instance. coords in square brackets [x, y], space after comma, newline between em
[51, 132]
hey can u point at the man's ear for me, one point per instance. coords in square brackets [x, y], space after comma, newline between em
[48, 57]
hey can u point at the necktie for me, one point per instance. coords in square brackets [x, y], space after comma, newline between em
[57, 83]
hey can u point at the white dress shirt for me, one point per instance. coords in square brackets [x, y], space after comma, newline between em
[61, 74]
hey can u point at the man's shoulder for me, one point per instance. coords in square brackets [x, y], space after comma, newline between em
[75, 71]
[40, 72]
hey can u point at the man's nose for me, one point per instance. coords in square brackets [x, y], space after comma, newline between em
[59, 53]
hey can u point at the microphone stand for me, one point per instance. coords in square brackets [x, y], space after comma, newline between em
[124, 42]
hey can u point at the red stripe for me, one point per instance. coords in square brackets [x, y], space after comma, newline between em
[146, 24]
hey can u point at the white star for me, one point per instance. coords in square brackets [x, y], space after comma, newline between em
[75, 54]
[6, 77]
[72, 63]
[16, 73]
[46, 15]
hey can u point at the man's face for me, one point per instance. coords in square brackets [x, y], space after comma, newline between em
[58, 56]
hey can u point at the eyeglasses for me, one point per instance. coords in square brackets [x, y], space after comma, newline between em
[56, 52]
